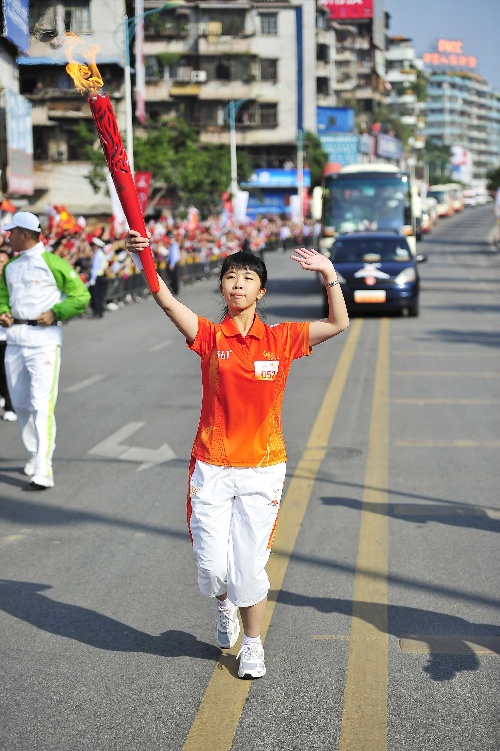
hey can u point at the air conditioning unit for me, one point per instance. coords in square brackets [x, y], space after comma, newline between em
[198, 76]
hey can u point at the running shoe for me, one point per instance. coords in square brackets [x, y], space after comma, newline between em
[41, 482]
[227, 627]
[252, 665]
[9, 416]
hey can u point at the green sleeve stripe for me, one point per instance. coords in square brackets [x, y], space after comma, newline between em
[76, 293]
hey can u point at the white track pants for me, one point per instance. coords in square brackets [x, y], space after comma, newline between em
[233, 515]
[33, 379]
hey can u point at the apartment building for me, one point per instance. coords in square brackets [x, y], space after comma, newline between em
[274, 60]
[463, 110]
[359, 57]
[56, 106]
[404, 98]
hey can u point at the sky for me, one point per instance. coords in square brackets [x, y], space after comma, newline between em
[474, 22]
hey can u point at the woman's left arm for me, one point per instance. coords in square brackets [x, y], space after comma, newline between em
[338, 319]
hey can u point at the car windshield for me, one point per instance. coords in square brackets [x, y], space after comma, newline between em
[438, 195]
[371, 250]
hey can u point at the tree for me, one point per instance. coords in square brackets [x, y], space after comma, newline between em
[437, 156]
[315, 157]
[493, 177]
[197, 173]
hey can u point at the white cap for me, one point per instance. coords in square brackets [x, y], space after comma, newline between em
[97, 241]
[24, 220]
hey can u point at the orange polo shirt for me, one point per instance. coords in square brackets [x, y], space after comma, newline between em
[243, 379]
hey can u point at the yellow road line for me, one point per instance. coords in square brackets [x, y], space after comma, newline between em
[220, 709]
[432, 443]
[364, 716]
[448, 373]
[417, 400]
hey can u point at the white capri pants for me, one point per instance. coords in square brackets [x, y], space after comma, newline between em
[234, 511]
[33, 379]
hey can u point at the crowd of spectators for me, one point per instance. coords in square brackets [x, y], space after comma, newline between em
[97, 250]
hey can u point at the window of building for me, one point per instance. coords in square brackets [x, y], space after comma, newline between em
[231, 23]
[323, 86]
[152, 68]
[77, 17]
[269, 24]
[268, 70]
[268, 115]
[323, 53]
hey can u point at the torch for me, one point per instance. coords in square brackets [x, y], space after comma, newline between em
[88, 80]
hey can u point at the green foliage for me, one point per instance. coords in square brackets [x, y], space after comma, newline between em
[172, 151]
[169, 58]
[314, 156]
[88, 141]
[493, 177]
[437, 155]
[198, 173]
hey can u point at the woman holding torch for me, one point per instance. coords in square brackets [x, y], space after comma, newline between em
[237, 467]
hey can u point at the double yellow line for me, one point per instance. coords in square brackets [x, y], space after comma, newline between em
[220, 710]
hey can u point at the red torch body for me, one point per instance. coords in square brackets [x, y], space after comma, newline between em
[119, 168]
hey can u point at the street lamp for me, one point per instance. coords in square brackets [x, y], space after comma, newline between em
[129, 29]
[230, 111]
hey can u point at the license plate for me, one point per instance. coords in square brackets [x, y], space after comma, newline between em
[369, 295]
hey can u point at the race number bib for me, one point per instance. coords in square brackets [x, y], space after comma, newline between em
[266, 370]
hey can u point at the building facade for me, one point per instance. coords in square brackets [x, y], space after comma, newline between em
[57, 107]
[463, 112]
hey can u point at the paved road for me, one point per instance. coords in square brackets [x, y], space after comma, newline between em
[382, 632]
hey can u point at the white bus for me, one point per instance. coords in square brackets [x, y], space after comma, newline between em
[365, 197]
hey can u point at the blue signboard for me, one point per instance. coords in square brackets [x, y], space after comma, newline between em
[276, 178]
[389, 147]
[334, 120]
[341, 148]
[15, 23]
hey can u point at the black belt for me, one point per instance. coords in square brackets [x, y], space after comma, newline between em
[27, 321]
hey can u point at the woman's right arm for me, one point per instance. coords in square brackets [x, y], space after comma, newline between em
[181, 316]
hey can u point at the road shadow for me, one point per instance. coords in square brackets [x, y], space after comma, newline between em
[455, 515]
[411, 623]
[38, 513]
[25, 601]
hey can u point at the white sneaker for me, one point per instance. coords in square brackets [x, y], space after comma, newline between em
[41, 482]
[9, 416]
[227, 627]
[29, 467]
[252, 665]
[2, 402]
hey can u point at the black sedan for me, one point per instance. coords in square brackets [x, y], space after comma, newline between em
[377, 272]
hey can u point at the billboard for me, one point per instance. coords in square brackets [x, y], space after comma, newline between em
[276, 178]
[334, 120]
[389, 147]
[15, 23]
[349, 9]
[342, 148]
[19, 144]
[461, 164]
[449, 53]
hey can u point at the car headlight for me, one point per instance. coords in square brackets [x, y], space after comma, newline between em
[407, 275]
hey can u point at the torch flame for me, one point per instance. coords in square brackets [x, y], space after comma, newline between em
[86, 78]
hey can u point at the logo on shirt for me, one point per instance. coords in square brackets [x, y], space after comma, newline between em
[223, 354]
[269, 355]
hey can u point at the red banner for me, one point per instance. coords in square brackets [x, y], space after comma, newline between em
[142, 185]
[340, 9]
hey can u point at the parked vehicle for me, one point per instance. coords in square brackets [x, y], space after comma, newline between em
[444, 199]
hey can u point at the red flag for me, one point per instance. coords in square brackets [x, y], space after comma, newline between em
[142, 185]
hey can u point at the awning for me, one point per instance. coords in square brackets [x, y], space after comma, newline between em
[26, 60]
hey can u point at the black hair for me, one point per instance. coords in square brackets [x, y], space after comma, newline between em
[247, 261]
